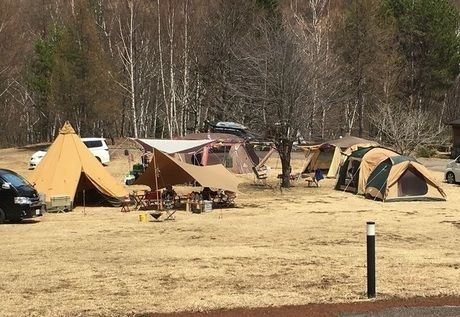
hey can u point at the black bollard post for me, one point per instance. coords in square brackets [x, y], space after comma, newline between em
[370, 259]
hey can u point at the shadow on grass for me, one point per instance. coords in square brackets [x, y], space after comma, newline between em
[22, 222]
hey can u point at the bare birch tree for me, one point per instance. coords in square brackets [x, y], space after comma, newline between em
[405, 128]
[127, 29]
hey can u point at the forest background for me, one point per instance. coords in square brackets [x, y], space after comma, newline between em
[387, 69]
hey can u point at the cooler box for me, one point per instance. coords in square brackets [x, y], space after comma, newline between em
[59, 204]
[207, 205]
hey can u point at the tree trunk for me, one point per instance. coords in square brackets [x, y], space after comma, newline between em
[131, 68]
[185, 100]
[163, 84]
[172, 84]
[284, 148]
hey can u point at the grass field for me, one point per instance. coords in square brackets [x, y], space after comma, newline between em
[304, 245]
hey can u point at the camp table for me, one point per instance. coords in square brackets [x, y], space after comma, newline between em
[139, 199]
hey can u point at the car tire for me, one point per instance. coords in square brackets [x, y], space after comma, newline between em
[2, 216]
[450, 178]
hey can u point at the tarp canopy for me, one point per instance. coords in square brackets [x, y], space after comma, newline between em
[219, 137]
[403, 178]
[69, 165]
[173, 146]
[349, 141]
[329, 155]
[324, 157]
[164, 170]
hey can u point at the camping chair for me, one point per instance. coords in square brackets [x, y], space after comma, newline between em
[310, 179]
[224, 199]
[152, 199]
[125, 203]
[261, 175]
[169, 206]
[313, 178]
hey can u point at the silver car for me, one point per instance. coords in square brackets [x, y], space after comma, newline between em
[452, 172]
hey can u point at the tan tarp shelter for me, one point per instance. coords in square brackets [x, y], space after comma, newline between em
[324, 157]
[173, 146]
[69, 167]
[350, 141]
[164, 170]
[403, 178]
[331, 154]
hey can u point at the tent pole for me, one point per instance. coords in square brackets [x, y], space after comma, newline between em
[266, 157]
[156, 179]
[204, 158]
[84, 202]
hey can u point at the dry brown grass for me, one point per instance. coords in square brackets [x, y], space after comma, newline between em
[304, 245]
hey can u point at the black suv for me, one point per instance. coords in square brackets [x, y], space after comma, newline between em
[232, 128]
[18, 198]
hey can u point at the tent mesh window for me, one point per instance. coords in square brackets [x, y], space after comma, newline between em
[324, 160]
[353, 175]
[228, 162]
[412, 183]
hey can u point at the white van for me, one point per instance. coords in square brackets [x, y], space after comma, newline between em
[97, 146]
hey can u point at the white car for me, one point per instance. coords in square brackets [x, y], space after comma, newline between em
[452, 172]
[97, 146]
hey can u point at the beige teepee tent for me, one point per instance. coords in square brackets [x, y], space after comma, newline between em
[69, 167]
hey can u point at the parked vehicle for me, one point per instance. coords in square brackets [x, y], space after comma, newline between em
[97, 146]
[36, 158]
[452, 173]
[18, 198]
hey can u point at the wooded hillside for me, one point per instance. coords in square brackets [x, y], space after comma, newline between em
[160, 68]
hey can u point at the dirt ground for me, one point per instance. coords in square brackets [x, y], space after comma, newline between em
[413, 307]
[300, 246]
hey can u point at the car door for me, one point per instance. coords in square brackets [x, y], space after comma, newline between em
[456, 168]
[6, 197]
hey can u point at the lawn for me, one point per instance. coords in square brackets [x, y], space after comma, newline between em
[304, 245]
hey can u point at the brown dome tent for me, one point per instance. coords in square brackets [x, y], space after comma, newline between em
[330, 154]
[356, 169]
[229, 150]
[403, 178]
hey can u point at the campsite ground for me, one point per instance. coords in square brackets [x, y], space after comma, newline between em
[304, 245]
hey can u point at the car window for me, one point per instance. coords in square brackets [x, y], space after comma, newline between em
[91, 144]
[15, 180]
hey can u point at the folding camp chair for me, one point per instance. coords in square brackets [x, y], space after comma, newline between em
[261, 175]
[153, 199]
[169, 206]
[310, 179]
[125, 203]
[224, 199]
